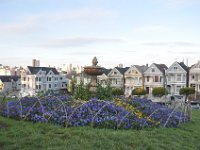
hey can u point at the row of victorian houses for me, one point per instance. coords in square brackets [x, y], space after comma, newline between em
[44, 79]
[34, 80]
[177, 76]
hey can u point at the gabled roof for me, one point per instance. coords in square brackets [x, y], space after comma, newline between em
[183, 66]
[35, 70]
[122, 70]
[9, 78]
[107, 71]
[161, 67]
[142, 68]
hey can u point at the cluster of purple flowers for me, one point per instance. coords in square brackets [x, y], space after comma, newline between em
[65, 111]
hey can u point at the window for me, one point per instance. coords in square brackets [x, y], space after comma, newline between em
[61, 78]
[55, 85]
[184, 78]
[49, 78]
[178, 77]
[24, 78]
[193, 77]
[36, 87]
[156, 78]
[118, 81]
[152, 69]
[36, 79]
[114, 72]
[147, 78]
[39, 79]
[161, 79]
[175, 68]
[169, 78]
[50, 86]
[39, 86]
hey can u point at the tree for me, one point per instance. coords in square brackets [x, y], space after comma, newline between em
[159, 91]
[186, 91]
[139, 91]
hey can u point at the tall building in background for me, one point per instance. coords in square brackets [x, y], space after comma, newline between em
[35, 63]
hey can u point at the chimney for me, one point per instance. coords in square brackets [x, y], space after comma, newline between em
[120, 65]
[34, 62]
[147, 65]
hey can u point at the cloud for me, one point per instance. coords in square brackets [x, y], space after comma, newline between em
[177, 3]
[185, 52]
[149, 29]
[78, 41]
[28, 25]
[172, 44]
[82, 14]
[36, 22]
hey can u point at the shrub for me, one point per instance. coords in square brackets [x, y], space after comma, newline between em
[138, 91]
[186, 91]
[117, 92]
[159, 91]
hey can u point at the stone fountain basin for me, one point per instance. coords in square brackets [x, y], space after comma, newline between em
[94, 70]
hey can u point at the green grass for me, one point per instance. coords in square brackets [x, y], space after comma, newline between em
[20, 135]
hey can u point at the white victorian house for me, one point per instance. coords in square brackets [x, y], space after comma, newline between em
[194, 77]
[177, 77]
[86, 79]
[116, 77]
[42, 79]
[10, 84]
[103, 79]
[154, 77]
[134, 78]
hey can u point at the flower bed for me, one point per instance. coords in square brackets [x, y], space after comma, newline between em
[115, 114]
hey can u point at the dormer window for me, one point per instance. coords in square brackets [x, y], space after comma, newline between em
[114, 72]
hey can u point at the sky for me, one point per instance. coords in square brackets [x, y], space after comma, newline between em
[128, 32]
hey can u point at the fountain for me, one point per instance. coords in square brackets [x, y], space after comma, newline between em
[93, 71]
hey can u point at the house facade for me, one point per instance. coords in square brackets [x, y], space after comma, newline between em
[42, 79]
[194, 77]
[116, 77]
[103, 79]
[86, 79]
[134, 78]
[10, 84]
[177, 76]
[154, 77]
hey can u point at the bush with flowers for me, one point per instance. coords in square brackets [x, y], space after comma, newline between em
[120, 113]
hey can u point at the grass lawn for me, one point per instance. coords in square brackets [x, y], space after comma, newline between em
[20, 135]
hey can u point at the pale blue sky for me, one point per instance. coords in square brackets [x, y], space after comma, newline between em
[131, 32]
